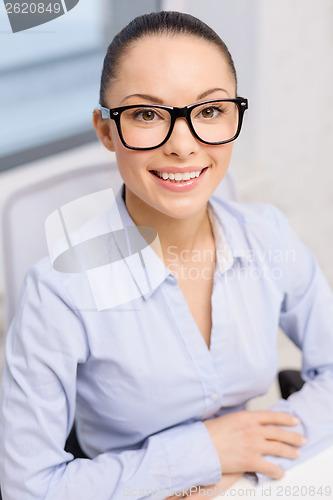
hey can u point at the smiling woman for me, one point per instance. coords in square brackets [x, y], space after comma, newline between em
[158, 384]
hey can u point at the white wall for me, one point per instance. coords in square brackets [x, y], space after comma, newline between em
[294, 134]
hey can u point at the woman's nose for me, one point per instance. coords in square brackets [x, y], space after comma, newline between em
[182, 142]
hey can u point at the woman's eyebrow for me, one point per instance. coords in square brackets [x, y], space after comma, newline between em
[147, 97]
[205, 94]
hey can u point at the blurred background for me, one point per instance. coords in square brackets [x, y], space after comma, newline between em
[283, 52]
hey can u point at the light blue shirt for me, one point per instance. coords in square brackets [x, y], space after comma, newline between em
[139, 378]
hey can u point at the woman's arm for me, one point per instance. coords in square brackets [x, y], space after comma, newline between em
[44, 345]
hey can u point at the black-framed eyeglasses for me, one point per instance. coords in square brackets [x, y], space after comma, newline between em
[145, 127]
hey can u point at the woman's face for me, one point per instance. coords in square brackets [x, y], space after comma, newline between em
[172, 71]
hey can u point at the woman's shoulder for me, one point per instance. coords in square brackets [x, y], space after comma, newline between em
[43, 281]
[44, 271]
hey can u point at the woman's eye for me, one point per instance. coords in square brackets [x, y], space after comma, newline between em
[147, 115]
[209, 112]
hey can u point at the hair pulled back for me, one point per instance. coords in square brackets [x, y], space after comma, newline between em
[156, 23]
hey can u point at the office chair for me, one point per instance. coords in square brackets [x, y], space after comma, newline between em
[290, 381]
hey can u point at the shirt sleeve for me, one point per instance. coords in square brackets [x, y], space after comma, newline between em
[307, 319]
[44, 345]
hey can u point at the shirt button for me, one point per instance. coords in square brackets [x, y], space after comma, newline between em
[214, 396]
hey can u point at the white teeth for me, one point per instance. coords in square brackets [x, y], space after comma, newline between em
[178, 176]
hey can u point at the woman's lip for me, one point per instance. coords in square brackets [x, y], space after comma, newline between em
[175, 170]
[182, 186]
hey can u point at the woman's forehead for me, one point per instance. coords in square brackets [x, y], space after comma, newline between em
[168, 49]
[168, 65]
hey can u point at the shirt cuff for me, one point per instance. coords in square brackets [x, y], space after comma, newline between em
[191, 456]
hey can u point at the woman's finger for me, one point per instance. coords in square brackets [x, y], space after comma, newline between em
[283, 435]
[266, 417]
[268, 469]
[278, 449]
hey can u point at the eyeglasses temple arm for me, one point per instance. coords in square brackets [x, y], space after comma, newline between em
[105, 112]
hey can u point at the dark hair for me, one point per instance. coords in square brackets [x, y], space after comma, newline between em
[168, 22]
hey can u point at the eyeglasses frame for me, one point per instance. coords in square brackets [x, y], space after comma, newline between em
[175, 112]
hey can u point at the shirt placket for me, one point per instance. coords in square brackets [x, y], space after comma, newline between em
[202, 358]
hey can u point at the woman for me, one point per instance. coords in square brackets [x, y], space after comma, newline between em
[158, 384]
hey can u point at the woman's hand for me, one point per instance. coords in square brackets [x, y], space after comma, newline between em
[242, 438]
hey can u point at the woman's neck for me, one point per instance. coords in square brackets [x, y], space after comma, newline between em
[190, 233]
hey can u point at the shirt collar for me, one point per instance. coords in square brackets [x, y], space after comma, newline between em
[230, 240]
[224, 258]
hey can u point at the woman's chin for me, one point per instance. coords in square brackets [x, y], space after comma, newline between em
[179, 206]
[179, 211]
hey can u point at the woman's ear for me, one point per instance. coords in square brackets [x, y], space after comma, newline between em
[102, 127]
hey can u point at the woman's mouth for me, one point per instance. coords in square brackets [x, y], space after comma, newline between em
[177, 176]
[179, 182]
